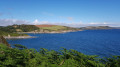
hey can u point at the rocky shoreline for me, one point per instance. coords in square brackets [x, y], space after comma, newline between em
[25, 37]
[19, 37]
[54, 31]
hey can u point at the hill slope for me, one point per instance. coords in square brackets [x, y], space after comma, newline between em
[14, 30]
[55, 28]
[96, 27]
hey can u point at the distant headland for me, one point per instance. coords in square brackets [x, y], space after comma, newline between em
[18, 31]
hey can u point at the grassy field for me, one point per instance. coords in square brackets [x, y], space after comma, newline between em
[54, 27]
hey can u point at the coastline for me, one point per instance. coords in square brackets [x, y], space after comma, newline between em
[26, 37]
[19, 37]
[53, 32]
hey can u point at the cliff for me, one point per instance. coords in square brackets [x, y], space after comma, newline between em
[3, 41]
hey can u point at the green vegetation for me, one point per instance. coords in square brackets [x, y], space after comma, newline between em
[53, 28]
[96, 27]
[7, 30]
[25, 28]
[57, 28]
[3, 41]
[14, 29]
[5, 33]
[17, 57]
[19, 46]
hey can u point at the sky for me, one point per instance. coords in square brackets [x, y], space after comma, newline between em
[75, 13]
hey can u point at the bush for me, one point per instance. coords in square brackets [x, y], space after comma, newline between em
[15, 57]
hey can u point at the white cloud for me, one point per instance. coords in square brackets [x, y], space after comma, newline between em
[75, 24]
[36, 22]
[5, 22]
[97, 23]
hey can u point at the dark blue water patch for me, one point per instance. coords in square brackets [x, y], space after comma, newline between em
[90, 42]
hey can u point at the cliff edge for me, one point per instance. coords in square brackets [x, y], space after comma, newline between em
[3, 41]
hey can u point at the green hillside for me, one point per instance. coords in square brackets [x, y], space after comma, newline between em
[14, 30]
[96, 27]
[58, 28]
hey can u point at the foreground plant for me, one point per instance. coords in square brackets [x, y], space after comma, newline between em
[22, 57]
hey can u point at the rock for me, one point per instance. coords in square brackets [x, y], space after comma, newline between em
[3, 41]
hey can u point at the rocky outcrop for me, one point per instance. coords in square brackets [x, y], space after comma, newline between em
[3, 41]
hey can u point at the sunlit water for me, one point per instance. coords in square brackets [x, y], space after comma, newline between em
[90, 42]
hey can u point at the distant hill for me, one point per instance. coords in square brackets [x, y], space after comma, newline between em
[96, 27]
[117, 27]
[39, 28]
[25, 28]
[54, 28]
[13, 30]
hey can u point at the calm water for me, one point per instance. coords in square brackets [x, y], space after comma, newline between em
[90, 42]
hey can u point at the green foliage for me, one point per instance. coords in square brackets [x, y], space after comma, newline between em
[12, 30]
[53, 28]
[8, 29]
[21, 28]
[15, 30]
[14, 57]
[26, 28]
[58, 28]
[5, 33]
[20, 46]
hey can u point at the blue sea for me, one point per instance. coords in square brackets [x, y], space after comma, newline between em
[90, 42]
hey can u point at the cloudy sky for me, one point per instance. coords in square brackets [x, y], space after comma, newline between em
[74, 13]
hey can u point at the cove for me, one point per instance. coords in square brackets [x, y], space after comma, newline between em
[91, 42]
